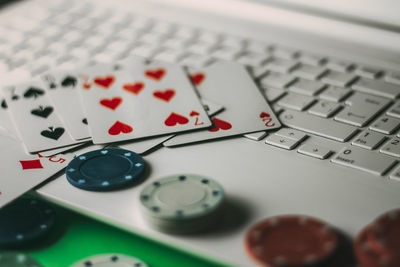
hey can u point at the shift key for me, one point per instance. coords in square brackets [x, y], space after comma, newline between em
[364, 160]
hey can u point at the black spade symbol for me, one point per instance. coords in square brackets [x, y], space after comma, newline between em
[84, 121]
[42, 112]
[33, 92]
[69, 81]
[53, 133]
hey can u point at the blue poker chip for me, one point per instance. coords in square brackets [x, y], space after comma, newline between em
[105, 169]
[25, 221]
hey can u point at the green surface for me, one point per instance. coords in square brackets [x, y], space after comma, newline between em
[76, 237]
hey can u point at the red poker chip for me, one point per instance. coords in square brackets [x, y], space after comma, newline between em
[384, 234]
[290, 240]
[367, 256]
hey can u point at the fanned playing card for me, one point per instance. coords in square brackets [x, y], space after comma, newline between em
[61, 87]
[139, 101]
[245, 108]
[22, 171]
[35, 119]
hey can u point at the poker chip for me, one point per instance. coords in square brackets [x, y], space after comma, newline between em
[367, 256]
[291, 241]
[24, 221]
[105, 169]
[182, 203]
[110, 260]
[15, 259]
[384, 234]
[378, 244]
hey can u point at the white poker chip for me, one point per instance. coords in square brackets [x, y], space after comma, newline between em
[110, 260]
[181, 197]
[15, 259]
[182, 203]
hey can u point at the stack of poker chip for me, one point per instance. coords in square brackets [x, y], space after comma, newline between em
[291, 241]
[378, 244]
[182, 203]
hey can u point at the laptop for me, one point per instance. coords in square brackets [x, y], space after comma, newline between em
[330, 70]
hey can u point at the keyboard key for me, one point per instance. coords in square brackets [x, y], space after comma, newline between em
[394, 110]
[395, 175]
[282, 65]
[257, 136]
[385, 125]
[312, 59]
[195, 60]
[325, 109]
[393, 77]
[314, 150]
[284, 52]
[307, 87]
[233, 41]
[368, 140]
[339, 65]
[318, 126]
[257, 47]
[338, 78]
[364, 160]
[258, 72]
[292, 134]
[282, 142]
[296, 101]
[377, 87]
[200, 48]
[277, 80]
[309, 72]
[227, 52]
[273, 94]
[335, 93]
[252, 59]
[368, 72]
[392, 147]
[363, 108]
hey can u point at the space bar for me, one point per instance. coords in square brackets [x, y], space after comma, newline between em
[318, 126]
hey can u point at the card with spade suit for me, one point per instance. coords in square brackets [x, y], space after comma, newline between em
[61, 87]
[245, 108]
[22, 172]
[139, 101]
[34, 117]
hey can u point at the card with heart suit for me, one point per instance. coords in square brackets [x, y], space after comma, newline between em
[24, 171]
[141, 101]
[34, 117]
[245, 108]
[143, 146]
[61, 87]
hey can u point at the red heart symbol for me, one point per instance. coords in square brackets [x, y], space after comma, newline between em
[197, 78]
[264, 115]
[174, 119]
[165, 95]
[156, 74]
[112, 103]
[119, 127]
[104, 82]
[194, 113]
[220, 124]
[134, 88]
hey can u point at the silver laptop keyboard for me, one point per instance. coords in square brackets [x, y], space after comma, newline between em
[315, 95]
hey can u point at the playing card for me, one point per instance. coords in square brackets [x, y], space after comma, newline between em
[245, 108]
[22, 172]
[35, 119]
[139, 101]
[62, 90]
